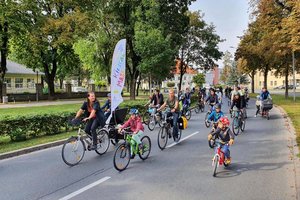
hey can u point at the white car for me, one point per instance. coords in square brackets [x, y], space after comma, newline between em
[79, 89]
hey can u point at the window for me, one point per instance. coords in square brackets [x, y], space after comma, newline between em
[271, 83]
[275, 83]
[8, 82]
[30, 83]
[19, 83]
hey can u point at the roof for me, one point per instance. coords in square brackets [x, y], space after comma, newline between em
[16, 68]
[189, 70]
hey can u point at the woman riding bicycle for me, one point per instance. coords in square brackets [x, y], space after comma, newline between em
[212, 99]
[93, 116]
[136, 127]
[237, 102]
[226, 136]
[173, 104]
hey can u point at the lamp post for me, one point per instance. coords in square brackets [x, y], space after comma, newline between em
[294, 79]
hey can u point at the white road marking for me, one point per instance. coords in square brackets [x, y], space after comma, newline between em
[85, 188]
[173, 144]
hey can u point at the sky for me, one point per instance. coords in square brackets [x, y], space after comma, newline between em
[230, 17]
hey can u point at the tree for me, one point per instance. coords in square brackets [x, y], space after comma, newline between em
[199, 45]
[227, 63]
[54, 27]
[199, 80]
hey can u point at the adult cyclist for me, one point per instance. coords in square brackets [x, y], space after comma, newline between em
[94, 117]
[173, 103]
[212, 99]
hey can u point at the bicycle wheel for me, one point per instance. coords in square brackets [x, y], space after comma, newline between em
[202, 108]
[235, 126]
[103, 142]
[177, 139]
[197, 109]
[245, 113]
[268, 115]
[243, 125]
[122, 157]
[215, 164]
[146, 148]
[146, 118]
[188, 114]
[73, 151]
[152, 123]
[207, 124]
[162, 138]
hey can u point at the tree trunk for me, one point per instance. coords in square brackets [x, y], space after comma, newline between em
[132, 88]
[138, 85]
[150, 84]
[286, 94]
[252, 81]
[79, 81]
[4, 46]
[266, 79]
[61, 81]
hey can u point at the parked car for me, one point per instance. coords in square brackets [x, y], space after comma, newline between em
[79, 89]
[281, 87]
[291, 87]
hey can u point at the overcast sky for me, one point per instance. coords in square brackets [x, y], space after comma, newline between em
[230, 17]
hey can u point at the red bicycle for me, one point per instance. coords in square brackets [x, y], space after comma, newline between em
[219, 157]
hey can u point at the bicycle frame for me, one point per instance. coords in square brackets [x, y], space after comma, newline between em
[219, 153]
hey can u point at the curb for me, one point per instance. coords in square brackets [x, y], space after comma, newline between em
[294, 149]
[31, 149]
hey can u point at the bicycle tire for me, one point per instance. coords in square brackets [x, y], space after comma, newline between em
[202, 108]
[146, 148]
[103, 142]
[152, 123]
[78, 158]
[235, 126]
[243, 125]
[146, 118]
[207, 124]
[197, 109]
[188, 114]
[177, 139]
[215, 165]
[124, 149]
[162, 138]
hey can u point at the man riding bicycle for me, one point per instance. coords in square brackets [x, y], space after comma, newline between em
[93, 116]
[157, 99]
[173, 103]
[226, 136]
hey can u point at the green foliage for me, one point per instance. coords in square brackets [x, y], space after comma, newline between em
[170, 84]
[199, 80]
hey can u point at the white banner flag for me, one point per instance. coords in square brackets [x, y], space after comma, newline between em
[117, 75]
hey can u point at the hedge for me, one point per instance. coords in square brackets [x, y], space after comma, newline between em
[27, 127]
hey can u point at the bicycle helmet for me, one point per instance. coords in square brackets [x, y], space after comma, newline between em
[225, 121]
[218, 106]
[133, 111]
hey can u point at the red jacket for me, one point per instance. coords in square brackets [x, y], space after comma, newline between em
[135, 124]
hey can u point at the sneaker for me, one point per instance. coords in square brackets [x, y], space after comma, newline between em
[227, 161]
[92, 147]
[255, 115]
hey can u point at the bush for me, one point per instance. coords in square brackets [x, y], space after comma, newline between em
[170, 84]
[23, 128]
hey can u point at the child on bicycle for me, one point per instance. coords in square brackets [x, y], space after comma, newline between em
[226, 136]
[136, 126]
[216, 114]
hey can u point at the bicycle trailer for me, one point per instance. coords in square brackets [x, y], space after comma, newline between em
[267, 104]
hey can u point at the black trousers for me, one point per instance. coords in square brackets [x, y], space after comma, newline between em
[91, 128]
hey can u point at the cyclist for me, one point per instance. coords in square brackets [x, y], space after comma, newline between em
[107, 106]
[187, 97]
[216, 114]
[237, 102]
[136, 126]
[219, 94]
[265, 94]
[157, 99]
[173, 103]
[212, 99]
[93, 116]
[226, 136]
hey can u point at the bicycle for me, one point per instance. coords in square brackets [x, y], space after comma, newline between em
[200, 106]
[219, 157]
[147, 115]
[155, 118]
[166, 131]
[123, 154]
[73, 149]
[239, 122]
[207, 121]
[186, 112]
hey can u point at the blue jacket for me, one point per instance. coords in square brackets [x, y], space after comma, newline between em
[265, 95]
[214, 116]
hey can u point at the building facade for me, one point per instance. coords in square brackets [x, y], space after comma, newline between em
[20, 79]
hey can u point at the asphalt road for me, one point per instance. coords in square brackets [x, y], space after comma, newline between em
[261, 169]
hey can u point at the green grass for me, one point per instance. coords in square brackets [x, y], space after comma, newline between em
[292, 109]
[7, 145]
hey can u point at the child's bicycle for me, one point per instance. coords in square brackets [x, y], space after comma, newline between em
[123, 153]
[207, 121]
[219, 157]
[74, 148]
